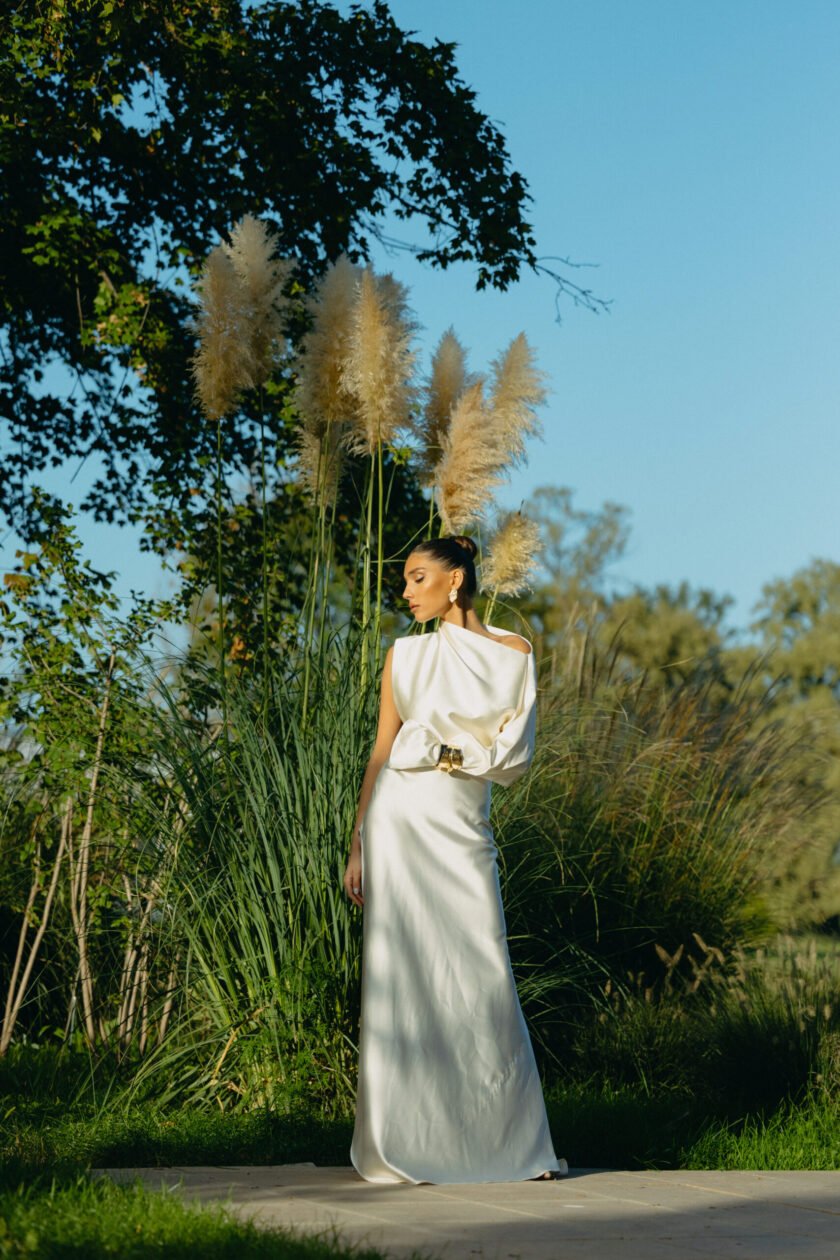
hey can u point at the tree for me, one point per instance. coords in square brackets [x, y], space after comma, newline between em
[578, 546]
[131, 135]
[78, 786]
[670, 632]
[798, 629]
[799, 621]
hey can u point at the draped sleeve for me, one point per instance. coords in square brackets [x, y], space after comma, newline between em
[512, 751]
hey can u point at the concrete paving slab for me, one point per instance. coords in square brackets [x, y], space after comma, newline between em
[594, 1214]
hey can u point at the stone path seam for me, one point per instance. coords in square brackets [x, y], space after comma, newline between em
[481, 1203]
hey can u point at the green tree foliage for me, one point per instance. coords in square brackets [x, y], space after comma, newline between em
[579, 545]
[77, 881]
[669, 637]
[132, 135]
[798, 631]
[799, 621]
[672, 632]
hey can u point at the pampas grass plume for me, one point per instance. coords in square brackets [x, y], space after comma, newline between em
[319, 460]
[483, 436]
[223, 365]
[447, 382]
[323, 402]
[508, 566]
[516, 392]
[264, 278]
[378, 367]
[471, 464]
[321, 396]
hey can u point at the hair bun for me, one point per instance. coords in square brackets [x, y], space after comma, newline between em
[467, 543]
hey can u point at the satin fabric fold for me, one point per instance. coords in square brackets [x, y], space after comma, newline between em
[448, 1087]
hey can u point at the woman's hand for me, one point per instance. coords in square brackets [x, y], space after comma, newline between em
[353, 873]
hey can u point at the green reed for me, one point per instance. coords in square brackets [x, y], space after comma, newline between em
[269, 997]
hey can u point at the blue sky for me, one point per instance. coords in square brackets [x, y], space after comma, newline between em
[692, 152]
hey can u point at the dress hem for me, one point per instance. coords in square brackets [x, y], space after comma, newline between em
[401, 1178]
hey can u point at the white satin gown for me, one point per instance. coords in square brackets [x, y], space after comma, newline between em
[448, 1087]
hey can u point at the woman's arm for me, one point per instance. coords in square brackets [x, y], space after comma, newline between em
[389, 723]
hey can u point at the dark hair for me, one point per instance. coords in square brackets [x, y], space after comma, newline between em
[454, 552]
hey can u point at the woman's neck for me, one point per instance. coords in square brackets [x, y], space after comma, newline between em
[467, 618]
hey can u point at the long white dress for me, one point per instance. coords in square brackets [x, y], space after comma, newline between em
[448, 1087]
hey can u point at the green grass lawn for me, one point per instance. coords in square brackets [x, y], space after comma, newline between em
[804, 1137]
[625, 1129]
[600, 1129]
[93, 1219]
[148, 1137]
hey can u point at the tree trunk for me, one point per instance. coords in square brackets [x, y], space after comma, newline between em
[79, 888]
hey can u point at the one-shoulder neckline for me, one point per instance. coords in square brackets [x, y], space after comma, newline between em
[452, 625]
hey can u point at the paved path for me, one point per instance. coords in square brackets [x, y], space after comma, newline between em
[594, 1214]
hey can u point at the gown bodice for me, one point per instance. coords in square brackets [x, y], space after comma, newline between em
[458, 687]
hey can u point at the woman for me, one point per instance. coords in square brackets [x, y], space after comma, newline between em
[448, 1086]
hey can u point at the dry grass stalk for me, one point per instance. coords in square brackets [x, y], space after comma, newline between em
[378, 367]
[394, 297]
[264, 279]
[472, 463]
[223, 364]
[447, 382]
[516, 393]
[22, 972]
[508, 567]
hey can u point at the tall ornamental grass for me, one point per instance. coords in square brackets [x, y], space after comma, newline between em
[270, 985]
[206, 907]
[634, 847]
[743, 1036]
[649, 819]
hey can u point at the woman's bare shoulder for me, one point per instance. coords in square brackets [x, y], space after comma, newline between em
[516, 641]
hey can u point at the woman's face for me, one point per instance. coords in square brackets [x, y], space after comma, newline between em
[427, 585]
